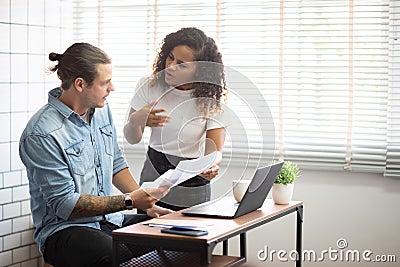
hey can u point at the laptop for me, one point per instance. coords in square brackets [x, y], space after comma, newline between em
[253, 199]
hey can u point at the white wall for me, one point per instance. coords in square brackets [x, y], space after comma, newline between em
[362, 208]
[29, 31]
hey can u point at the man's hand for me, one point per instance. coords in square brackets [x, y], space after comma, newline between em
[146, 198]
[157, 211]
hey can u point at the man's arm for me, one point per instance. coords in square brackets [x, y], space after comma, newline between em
[124, 181]
[89, 205]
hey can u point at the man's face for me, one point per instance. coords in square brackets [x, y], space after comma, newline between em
[96, 94]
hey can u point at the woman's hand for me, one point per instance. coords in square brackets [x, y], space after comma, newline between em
[138, 120]
[214, 169]
[150, 114]
[210, 173]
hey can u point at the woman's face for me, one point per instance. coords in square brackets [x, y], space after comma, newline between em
[180, 68]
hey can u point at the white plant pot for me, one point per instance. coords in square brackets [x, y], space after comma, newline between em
[282, 194]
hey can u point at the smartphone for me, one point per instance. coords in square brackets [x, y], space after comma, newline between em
[184, 231]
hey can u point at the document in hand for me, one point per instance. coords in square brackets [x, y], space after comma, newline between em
[185, 170]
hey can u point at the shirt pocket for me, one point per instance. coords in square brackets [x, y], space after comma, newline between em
[107, 136]
[78, 158]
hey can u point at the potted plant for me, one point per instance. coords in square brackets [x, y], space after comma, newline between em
[282, 190]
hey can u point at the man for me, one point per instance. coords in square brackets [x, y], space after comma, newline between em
[70, 151]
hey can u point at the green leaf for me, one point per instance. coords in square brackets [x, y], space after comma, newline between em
[288, 173]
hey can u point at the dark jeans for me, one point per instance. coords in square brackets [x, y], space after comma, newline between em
[80, 246]
[163, 162]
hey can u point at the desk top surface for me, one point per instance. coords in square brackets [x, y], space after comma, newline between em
[219, 226]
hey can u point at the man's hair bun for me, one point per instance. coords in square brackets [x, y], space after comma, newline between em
[55, 57]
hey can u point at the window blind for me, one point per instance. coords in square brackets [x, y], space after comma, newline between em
[393, 141]
[325, 72]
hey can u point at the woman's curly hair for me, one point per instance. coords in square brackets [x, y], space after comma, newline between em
[210, 85]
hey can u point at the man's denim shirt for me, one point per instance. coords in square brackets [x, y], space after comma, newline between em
[65, 157]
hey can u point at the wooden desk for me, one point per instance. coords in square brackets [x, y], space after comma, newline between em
[222, 230]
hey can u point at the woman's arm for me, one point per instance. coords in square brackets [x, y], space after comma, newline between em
[138, 120]
[215, 139]
[134, 127]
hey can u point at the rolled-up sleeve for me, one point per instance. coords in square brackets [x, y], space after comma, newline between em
[49, 174]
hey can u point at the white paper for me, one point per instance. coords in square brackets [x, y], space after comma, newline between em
[185, 170]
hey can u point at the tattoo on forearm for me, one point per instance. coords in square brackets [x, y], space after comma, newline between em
[89, 205]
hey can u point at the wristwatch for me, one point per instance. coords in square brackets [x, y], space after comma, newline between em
[128, 201]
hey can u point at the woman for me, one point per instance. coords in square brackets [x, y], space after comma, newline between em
[181, 103]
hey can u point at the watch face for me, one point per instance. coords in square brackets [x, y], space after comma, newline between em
[128, 202]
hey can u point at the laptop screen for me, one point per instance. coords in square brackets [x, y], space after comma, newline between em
[253, 199]
[259, 188]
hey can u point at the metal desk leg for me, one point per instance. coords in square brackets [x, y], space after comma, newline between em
[299, 235]
[225, 248]
[206, 254]
[243, 249]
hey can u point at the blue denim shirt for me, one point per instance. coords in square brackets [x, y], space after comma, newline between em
[65, 157]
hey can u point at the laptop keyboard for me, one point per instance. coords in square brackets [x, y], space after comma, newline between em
[223, 208]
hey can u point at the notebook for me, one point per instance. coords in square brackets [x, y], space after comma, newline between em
[227, 207]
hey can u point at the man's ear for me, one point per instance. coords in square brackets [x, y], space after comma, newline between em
[79, 84]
